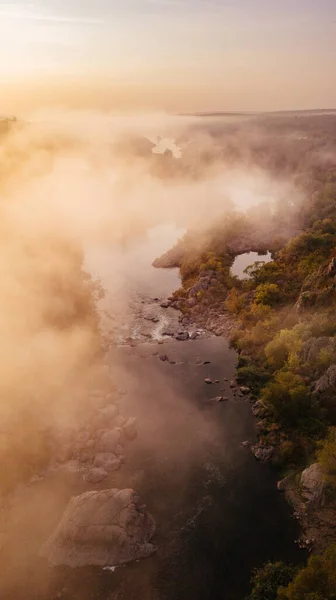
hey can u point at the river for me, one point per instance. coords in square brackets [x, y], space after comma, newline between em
[218, 512]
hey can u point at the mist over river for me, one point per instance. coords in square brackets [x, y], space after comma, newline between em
[218, 512]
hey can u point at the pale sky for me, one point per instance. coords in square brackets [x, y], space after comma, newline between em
[184, 55]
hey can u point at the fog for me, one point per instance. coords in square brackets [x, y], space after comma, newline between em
[77, 180]
[70, 182]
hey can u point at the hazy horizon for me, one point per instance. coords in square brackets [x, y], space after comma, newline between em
[172, 55]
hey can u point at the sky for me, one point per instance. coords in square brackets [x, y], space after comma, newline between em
[175, 55]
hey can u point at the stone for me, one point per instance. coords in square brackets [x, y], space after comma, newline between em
[130, 430]
[244, 389]
[327, 382]
[206, 362]
[259, 409]
[283, 484]
[163, 357]
[168, 333]
[208, 381]
[233, 383]
[312, 484]
[101, 528]
[262, 453]
[246, 444]
[95, 475]
[193, 335]
[109, 440]
[261, 426]
[191, 302]
[182, 336]
[107, 461]
[106, 416]
[165, 304]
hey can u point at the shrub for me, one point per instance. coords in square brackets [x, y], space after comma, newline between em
[268, 579]
[317, 581]
[267, 293]
[327, 456]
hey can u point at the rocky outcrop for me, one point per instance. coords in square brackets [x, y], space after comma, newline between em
[312, 485]
[326, 383]
[172, 258]
[332, 267]
[104, 528]
[313, 346]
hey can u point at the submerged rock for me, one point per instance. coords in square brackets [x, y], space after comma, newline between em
[208, 381]
[103, 528]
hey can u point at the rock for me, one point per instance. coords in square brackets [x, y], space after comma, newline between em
[259, 409]
[206, 362]
[327, 382]
[246, 444]
[107, 461]
[163, 357]
[244, 389]
[218, 399]
[283, 484]
[165, 304]
[130, 430]
[191, 302]
[106, 416]
[261, 426]
[312, 484]
[332, 267]
[95, 475]
[182, 336]
[233, 383]
[193, 335]
[172, 362]
[208, 381]
[101, 528]
[263, 453]
[109, 441]
[216, 380]
[168, 333]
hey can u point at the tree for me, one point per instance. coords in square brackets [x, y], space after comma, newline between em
[327, 456]
[267, 293]
[269, 578]
[317, 581]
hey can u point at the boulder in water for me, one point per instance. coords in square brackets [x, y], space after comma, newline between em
[101, 528]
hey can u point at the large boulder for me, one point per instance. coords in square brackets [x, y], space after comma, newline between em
[104, 528]
[312, 484]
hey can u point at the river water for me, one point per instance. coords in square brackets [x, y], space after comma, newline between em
[218, 512]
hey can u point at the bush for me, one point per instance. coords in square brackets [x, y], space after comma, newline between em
[327, 456]
[267, 580]
[267, 293]
[317, 581]
[291, 402]
[285, 347]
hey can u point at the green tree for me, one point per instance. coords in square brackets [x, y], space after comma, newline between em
[267, 580]
[327, 456]
[317, 581]
[267, 293]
